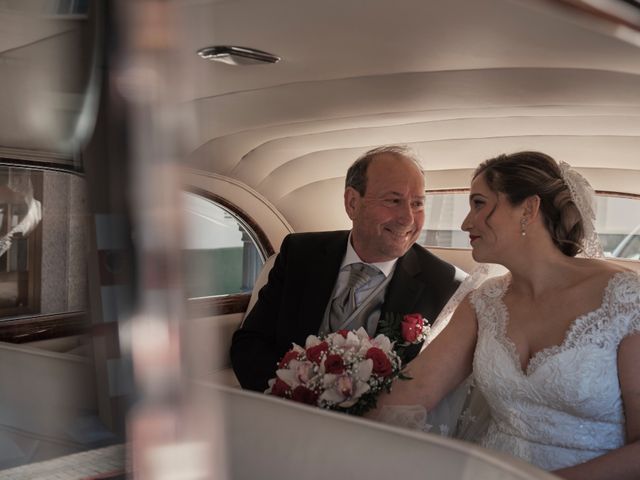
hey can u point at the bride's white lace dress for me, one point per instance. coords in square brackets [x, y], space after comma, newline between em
[567, 407]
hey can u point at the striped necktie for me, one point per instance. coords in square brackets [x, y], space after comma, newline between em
[345, 303]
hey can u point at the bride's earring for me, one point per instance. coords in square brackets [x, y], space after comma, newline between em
[523, 227]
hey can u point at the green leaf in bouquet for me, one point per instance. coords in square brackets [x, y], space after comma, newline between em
[390, 326]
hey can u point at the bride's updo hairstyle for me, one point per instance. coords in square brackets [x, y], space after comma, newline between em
[523, 174]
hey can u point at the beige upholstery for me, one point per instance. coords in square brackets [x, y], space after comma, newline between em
[267, 437]
[460, 257]
[225, 327]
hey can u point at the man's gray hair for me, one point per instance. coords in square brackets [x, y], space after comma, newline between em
[357, 173]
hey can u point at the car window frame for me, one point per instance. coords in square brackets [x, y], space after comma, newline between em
[228, 304]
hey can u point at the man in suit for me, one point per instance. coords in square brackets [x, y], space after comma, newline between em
[384, 198]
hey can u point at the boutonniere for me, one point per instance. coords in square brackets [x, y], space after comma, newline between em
[403, 330]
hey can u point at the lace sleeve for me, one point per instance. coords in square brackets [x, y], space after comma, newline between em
[625, 304]
[442, 420]
[413, 417]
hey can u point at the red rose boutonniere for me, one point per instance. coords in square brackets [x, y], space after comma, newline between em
[404, 330]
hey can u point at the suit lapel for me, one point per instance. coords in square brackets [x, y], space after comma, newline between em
[326, 265]
[404, 290]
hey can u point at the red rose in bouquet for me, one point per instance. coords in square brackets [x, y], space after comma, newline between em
[304, 395]
[290, 355]
[334, 364]
[280, 389]
[315, 353]
[381, 363]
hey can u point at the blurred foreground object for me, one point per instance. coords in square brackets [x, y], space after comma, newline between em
[49, 57]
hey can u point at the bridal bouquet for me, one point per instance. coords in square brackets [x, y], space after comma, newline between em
[342, 371]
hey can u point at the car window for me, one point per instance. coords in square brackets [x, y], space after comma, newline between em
[445, 212]
[221, 254]
[617, 222]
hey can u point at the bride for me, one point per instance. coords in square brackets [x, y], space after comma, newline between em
[553, 345]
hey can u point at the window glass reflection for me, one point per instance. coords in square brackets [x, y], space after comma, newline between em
[42, 242]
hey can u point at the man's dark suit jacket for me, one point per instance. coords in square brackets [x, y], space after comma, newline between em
[292, 304]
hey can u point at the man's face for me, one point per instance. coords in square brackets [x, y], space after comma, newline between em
[388, 219]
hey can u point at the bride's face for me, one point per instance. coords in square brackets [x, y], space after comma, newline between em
[492, 222]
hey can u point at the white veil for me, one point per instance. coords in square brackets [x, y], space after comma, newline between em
[584, 198]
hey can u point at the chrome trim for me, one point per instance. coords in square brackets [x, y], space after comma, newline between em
[232, 55]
